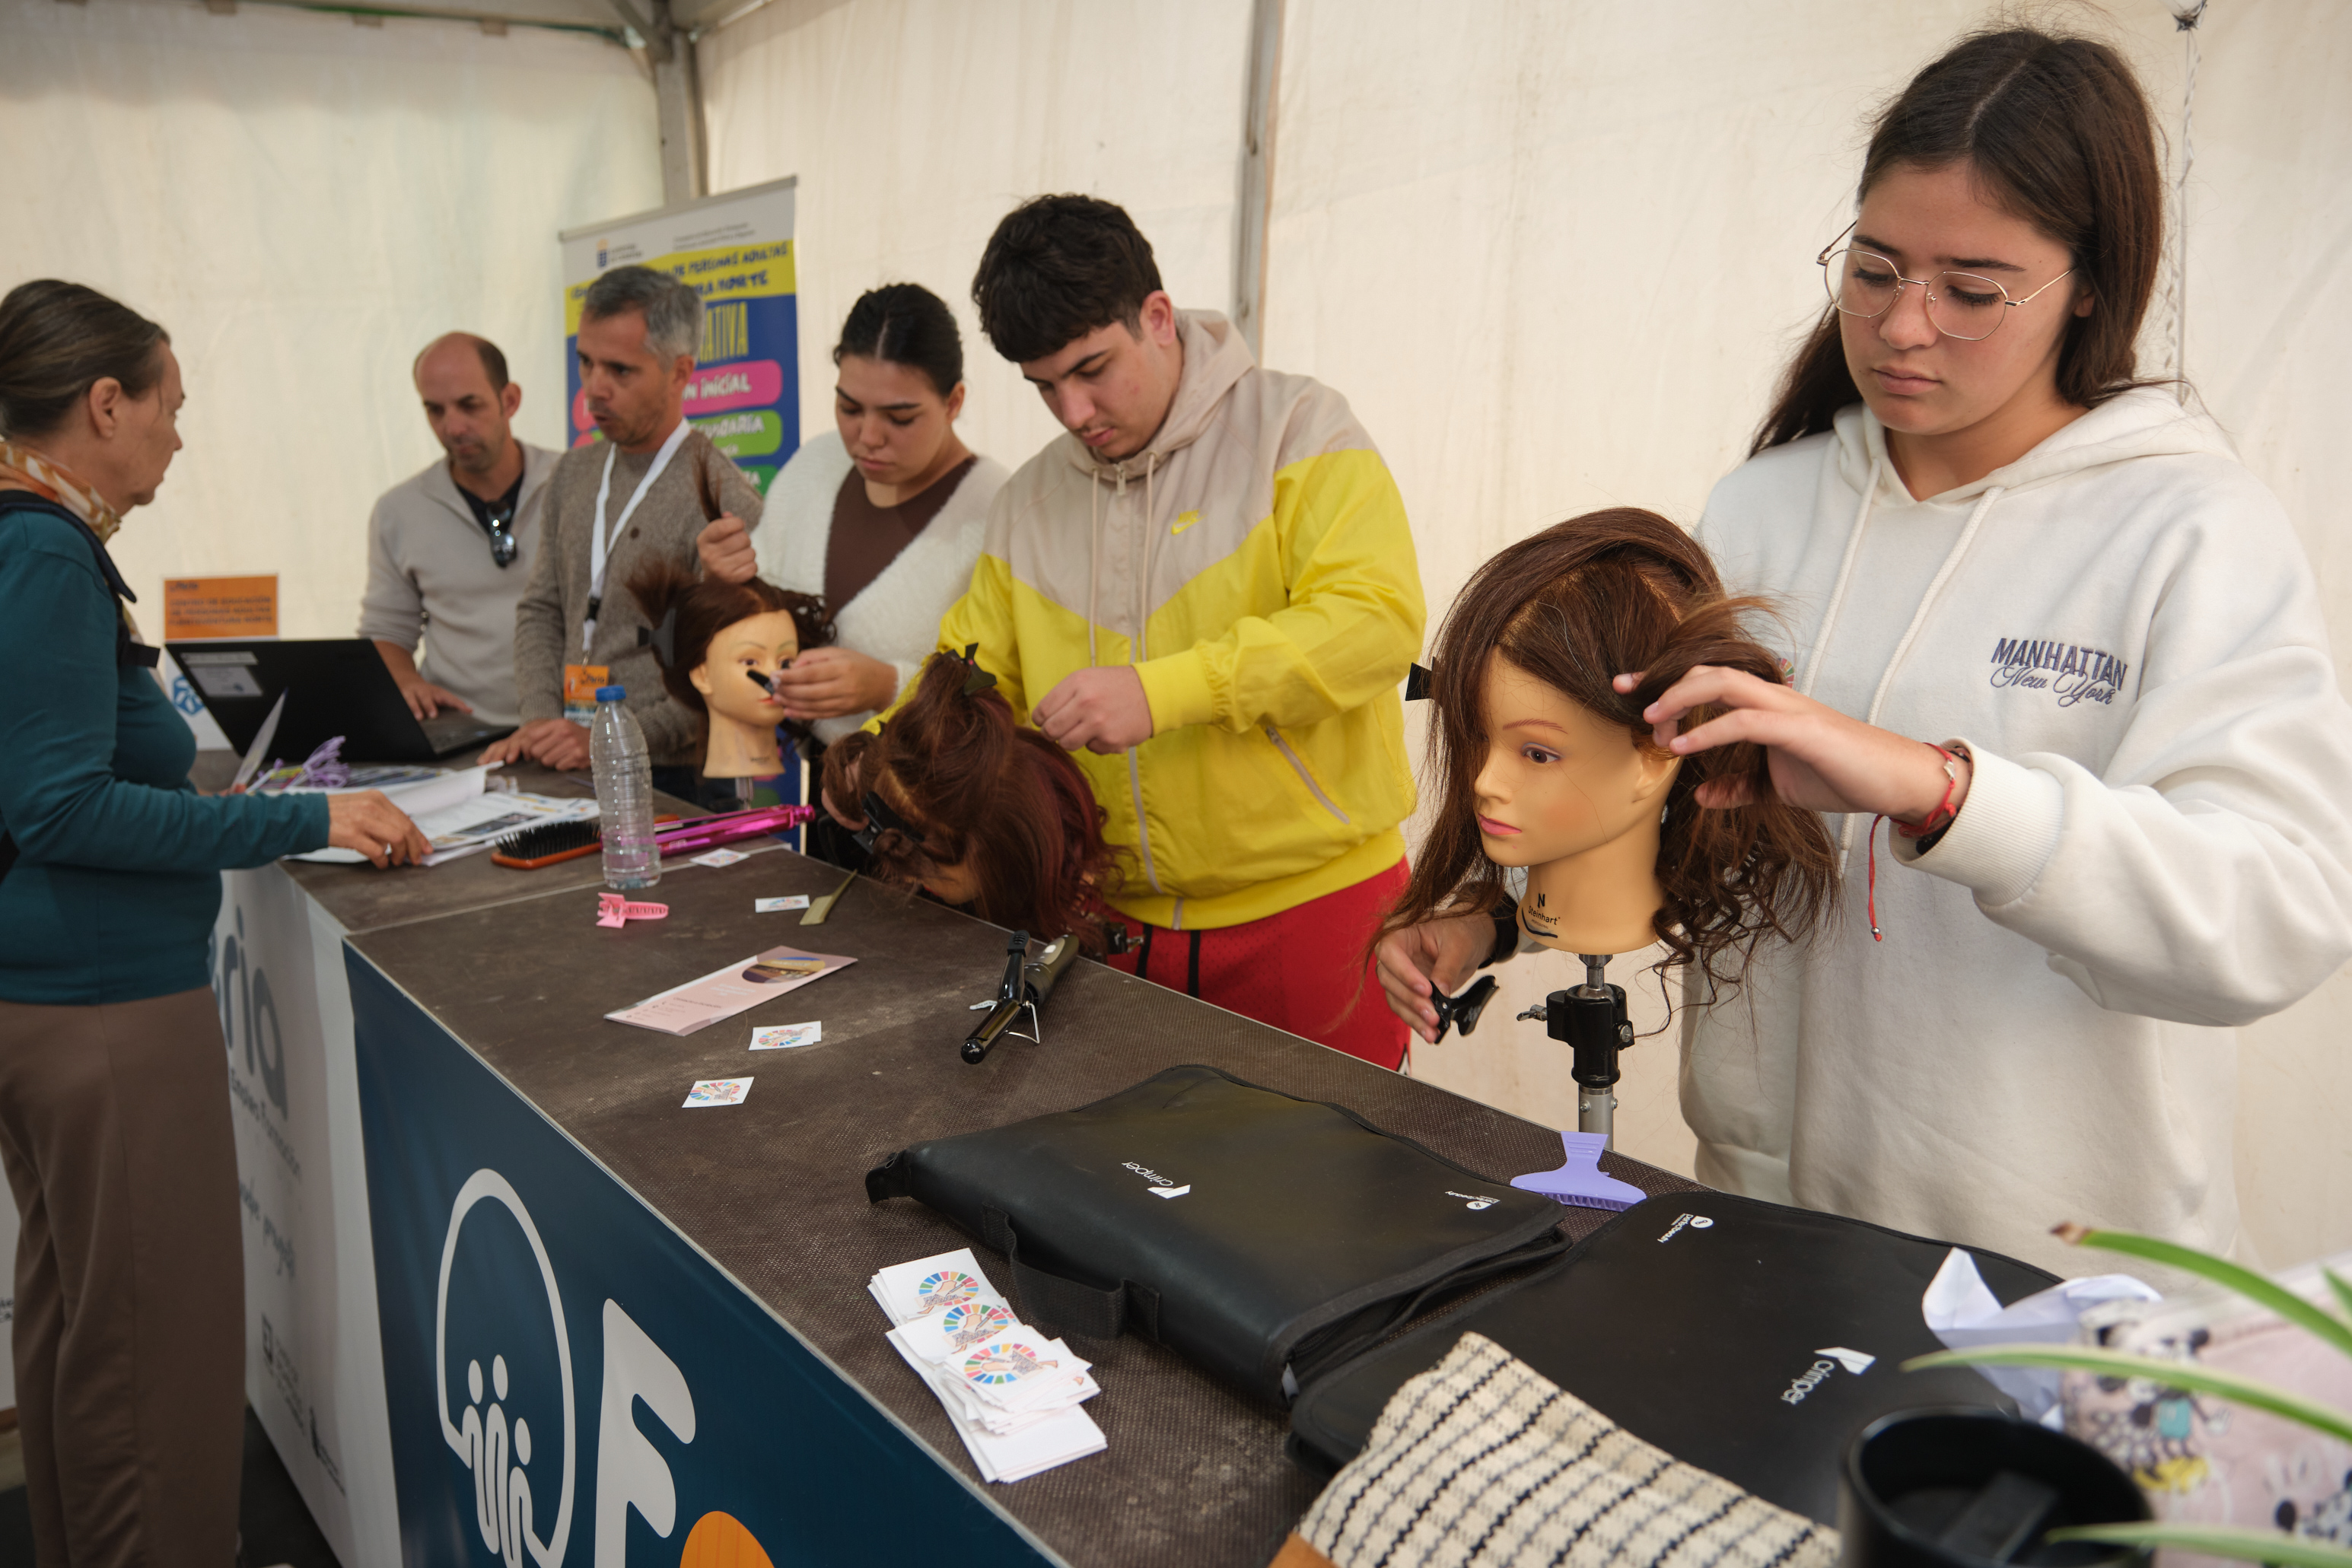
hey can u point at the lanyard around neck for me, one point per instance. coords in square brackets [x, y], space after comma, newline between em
[600, 540]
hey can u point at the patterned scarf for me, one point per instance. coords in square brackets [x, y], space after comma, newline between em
[53, 481]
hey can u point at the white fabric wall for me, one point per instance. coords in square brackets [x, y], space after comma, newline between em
[914, 125]
[304, 204]
[1556, 259]
[1555, 256]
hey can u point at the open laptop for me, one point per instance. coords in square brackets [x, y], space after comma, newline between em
[333, 687]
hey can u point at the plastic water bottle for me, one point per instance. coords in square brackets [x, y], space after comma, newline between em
[624, 793]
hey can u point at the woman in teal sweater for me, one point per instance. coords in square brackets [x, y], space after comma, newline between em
[114, 1119]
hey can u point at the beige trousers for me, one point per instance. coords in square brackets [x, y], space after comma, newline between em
[130, 1331]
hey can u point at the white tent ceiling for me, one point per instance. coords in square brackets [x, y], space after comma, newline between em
[623, 21]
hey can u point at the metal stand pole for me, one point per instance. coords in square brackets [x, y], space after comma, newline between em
[1591, 1021]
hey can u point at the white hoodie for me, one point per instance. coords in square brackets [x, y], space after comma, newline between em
[2122, 629]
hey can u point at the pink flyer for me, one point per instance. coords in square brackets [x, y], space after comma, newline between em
[723, 993]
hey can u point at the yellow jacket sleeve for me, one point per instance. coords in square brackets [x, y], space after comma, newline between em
[1352, 625]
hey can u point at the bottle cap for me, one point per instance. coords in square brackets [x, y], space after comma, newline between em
[611, 694]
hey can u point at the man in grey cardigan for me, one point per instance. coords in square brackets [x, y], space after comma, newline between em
[450, 549]
[612, 504]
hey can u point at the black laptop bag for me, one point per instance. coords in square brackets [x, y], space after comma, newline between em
[1258, 1235]
[1745, 1338]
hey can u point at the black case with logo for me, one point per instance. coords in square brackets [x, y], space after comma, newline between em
[1301, 1232]
[1700, 1322]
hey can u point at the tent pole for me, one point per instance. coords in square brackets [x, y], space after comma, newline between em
[677, 97]
[1255, 202]
[678, 92]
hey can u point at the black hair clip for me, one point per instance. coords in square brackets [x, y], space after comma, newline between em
[975, 678]
[879, 816]
[1418, 682]
[1462, 1013]
[662, 639]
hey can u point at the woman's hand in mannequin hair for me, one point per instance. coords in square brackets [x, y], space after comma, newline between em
[1820, 759]
[1443, 953]
[726, 549]
[833, 682]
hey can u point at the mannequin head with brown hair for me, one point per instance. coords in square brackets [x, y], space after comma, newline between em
[711, 639]
[1543, 764]
[977, 810]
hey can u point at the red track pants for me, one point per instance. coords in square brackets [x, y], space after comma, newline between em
[1303, 970]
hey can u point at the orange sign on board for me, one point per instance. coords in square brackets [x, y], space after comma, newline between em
[198, 607]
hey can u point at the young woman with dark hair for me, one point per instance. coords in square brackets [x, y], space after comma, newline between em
[2043, 621]
[881, 519]
[978, 811]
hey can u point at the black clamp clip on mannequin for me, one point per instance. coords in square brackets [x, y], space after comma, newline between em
[1591, 1021]
[1027, 983]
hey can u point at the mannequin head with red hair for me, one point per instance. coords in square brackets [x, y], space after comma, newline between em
[978, 810]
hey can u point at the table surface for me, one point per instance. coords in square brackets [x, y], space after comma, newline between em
[773, 1190]
[363, 898]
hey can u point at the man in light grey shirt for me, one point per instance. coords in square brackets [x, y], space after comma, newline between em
[451, 550]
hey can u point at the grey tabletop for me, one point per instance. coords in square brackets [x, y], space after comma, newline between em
[774, 1191]
[363, 898]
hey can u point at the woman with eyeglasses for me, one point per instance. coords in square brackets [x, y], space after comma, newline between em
[882, 520]
[2062, 680]
[114, 1096]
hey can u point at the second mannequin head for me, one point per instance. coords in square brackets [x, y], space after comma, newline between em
[719, 644]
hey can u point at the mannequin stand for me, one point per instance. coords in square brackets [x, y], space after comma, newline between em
[1591, 1021]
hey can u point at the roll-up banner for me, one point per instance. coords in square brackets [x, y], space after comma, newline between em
[737, 251]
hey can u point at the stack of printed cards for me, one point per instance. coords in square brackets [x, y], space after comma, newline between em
[1013, 1394]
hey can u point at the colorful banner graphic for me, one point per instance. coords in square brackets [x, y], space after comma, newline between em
[738, 252]
[574, 1384]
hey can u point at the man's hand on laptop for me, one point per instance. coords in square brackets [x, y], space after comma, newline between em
[556, 743]
[425, 699]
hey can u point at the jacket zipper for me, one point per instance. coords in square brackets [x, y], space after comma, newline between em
[1142, 832]
[1135, 773]
[1299, 767]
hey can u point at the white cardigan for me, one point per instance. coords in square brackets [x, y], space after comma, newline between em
[895, 617]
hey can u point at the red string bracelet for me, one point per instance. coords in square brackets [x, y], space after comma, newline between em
[1941, 817]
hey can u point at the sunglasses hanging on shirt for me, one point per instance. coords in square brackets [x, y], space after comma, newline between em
[503, 547]
[496, 520]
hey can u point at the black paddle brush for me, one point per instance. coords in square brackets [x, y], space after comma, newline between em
[544, 843]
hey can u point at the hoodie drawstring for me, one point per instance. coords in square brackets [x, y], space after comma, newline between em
[1812, 670]
[1143, 585]
[1944, 575]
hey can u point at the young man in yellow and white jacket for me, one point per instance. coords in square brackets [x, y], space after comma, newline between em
[1207, 590]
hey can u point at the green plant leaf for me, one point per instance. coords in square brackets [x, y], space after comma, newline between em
[2249, 1545]
[2170, 1374]
[2222, 1271]
[2343, 1292]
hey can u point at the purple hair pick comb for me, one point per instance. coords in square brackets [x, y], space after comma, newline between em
[1580, 1180]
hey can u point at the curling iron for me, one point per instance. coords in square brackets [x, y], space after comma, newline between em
[1027, 983]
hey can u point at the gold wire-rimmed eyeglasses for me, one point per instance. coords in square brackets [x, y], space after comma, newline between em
[1963, 305]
